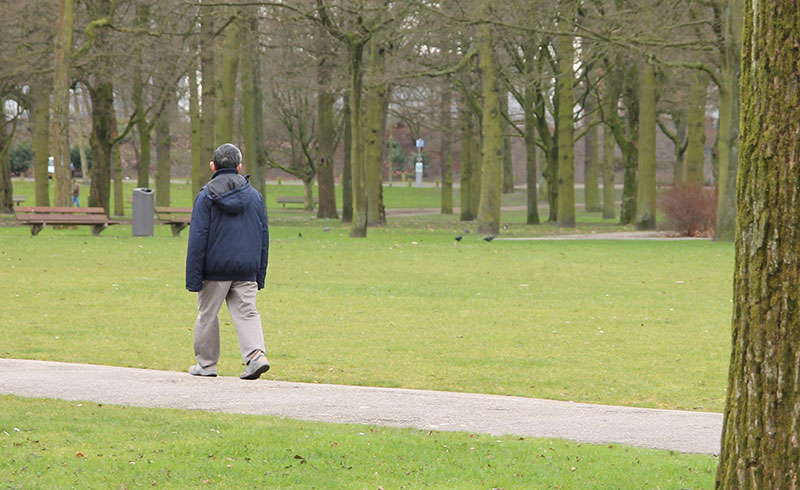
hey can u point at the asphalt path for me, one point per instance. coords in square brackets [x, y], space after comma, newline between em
[683, 431]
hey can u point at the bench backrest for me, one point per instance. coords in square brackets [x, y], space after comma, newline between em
[171, 210]
[59, 210]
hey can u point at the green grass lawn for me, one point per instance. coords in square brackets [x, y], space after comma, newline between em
[55, 444]
[636, 323]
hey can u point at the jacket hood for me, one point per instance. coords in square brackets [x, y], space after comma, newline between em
[229, 190]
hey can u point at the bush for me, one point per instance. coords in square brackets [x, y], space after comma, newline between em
[21, 156]
[691, 210]
[75, 157]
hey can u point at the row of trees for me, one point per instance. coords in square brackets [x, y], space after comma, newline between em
[291, 81]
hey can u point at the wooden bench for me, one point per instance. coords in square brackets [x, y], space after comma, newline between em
[294, 200]
[40, 216]
[18, 199]
[176, 218]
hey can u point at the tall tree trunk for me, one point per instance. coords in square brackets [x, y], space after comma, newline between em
[347, 170]
[255, 154]
[508, 163]
[760, 447]
[202, 174]
[646, 185]
[467, 131]
[550, 172]
[142, 124]
[59, 130]
[728, 136]
[227, 83]
[446, 151]
[163, 152]
[100, 141]
[6, 185]
[198, 170]
[325, 138]
[591, 190]
[373, 133]
[116, 169]
[81, 136]
[609, 195]
[695, 153]
[40, 120]
[492, 133]
[359, 176]
[566, 152]
[680, 144]
[532, 200]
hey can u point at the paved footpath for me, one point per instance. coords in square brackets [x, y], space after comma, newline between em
[692, 432]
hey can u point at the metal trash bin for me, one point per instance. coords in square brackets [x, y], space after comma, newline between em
[143, 211]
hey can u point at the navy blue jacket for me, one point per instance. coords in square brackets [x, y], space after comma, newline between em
[229, 235]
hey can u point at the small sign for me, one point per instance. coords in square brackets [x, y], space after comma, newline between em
[420, 143]
[419, 167]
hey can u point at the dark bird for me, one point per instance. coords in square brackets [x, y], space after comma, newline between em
[299, 235]
[459, 237]
[488, 238]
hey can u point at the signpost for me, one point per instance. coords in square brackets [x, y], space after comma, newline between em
[419, 167]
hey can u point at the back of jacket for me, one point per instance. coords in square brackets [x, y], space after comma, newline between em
[229, 234]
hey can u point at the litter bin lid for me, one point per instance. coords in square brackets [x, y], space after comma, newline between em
[146, 190]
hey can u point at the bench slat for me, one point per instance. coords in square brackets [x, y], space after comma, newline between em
[172, 210]
[61, 210]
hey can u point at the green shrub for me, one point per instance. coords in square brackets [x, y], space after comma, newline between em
[21, 155]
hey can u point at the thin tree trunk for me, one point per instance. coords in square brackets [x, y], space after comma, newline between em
[467, 133]
[40, 120]
[325, 138]
[446, 151]
[591, 194]
[761, 426]
[566, 128]
[202, 174]
[59, 130]
[142, 125]
[492, 133]
[359, 177]
[373, 133]
[194, 121]
[80, 142]
[100, 140]
[532, 200]
[609, 194]
[695, 153]
[508, 163]
[227, 83]
[163, 153]
[646, 186]
[347, 170]
[728, 136]
[116, 169]
[6, 185]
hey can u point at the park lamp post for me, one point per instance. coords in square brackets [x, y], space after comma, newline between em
[418, 166]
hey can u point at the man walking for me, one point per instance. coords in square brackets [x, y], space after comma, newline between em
[227, 261]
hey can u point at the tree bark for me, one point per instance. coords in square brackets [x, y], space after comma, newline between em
[6, 185]
[492, 133]
[142, 124]
[646, 185]
[164, 152]
[532, 200]
[202, 174]
[591, 193]
[446, 151]
[508, 163]
[695, 152]
[194, 121]
[40, 120]
[566, 128]
[325, 138]
[359, 177]
[347, 170]
[81, 136]
[59, 130]
[760, 447]
[227, 84]
[609, 194]
[116, 168]
[373, 133]
[100, 141]
[255, 154]
[467, 131]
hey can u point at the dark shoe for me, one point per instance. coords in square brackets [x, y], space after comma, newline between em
[198, 370]
[255, 367]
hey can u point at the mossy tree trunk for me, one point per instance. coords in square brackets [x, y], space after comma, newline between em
[492, 132]
[227, 83]
[116, 169]
[566, 126]
[101, 142]
[255, 155]
[760, 447]
[446, 150]
[532, 200]
[609, 194]
[695, 152]
[550, 144]
[326, 136]
[728, 136]
[6, 185]
[358, 229]
[466, 127]
[59, 129]
[80, 143]
[375, 105]
[40, 120]
[194, 122]
[646, 184]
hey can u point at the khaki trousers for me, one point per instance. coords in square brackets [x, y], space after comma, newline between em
[241, 299]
